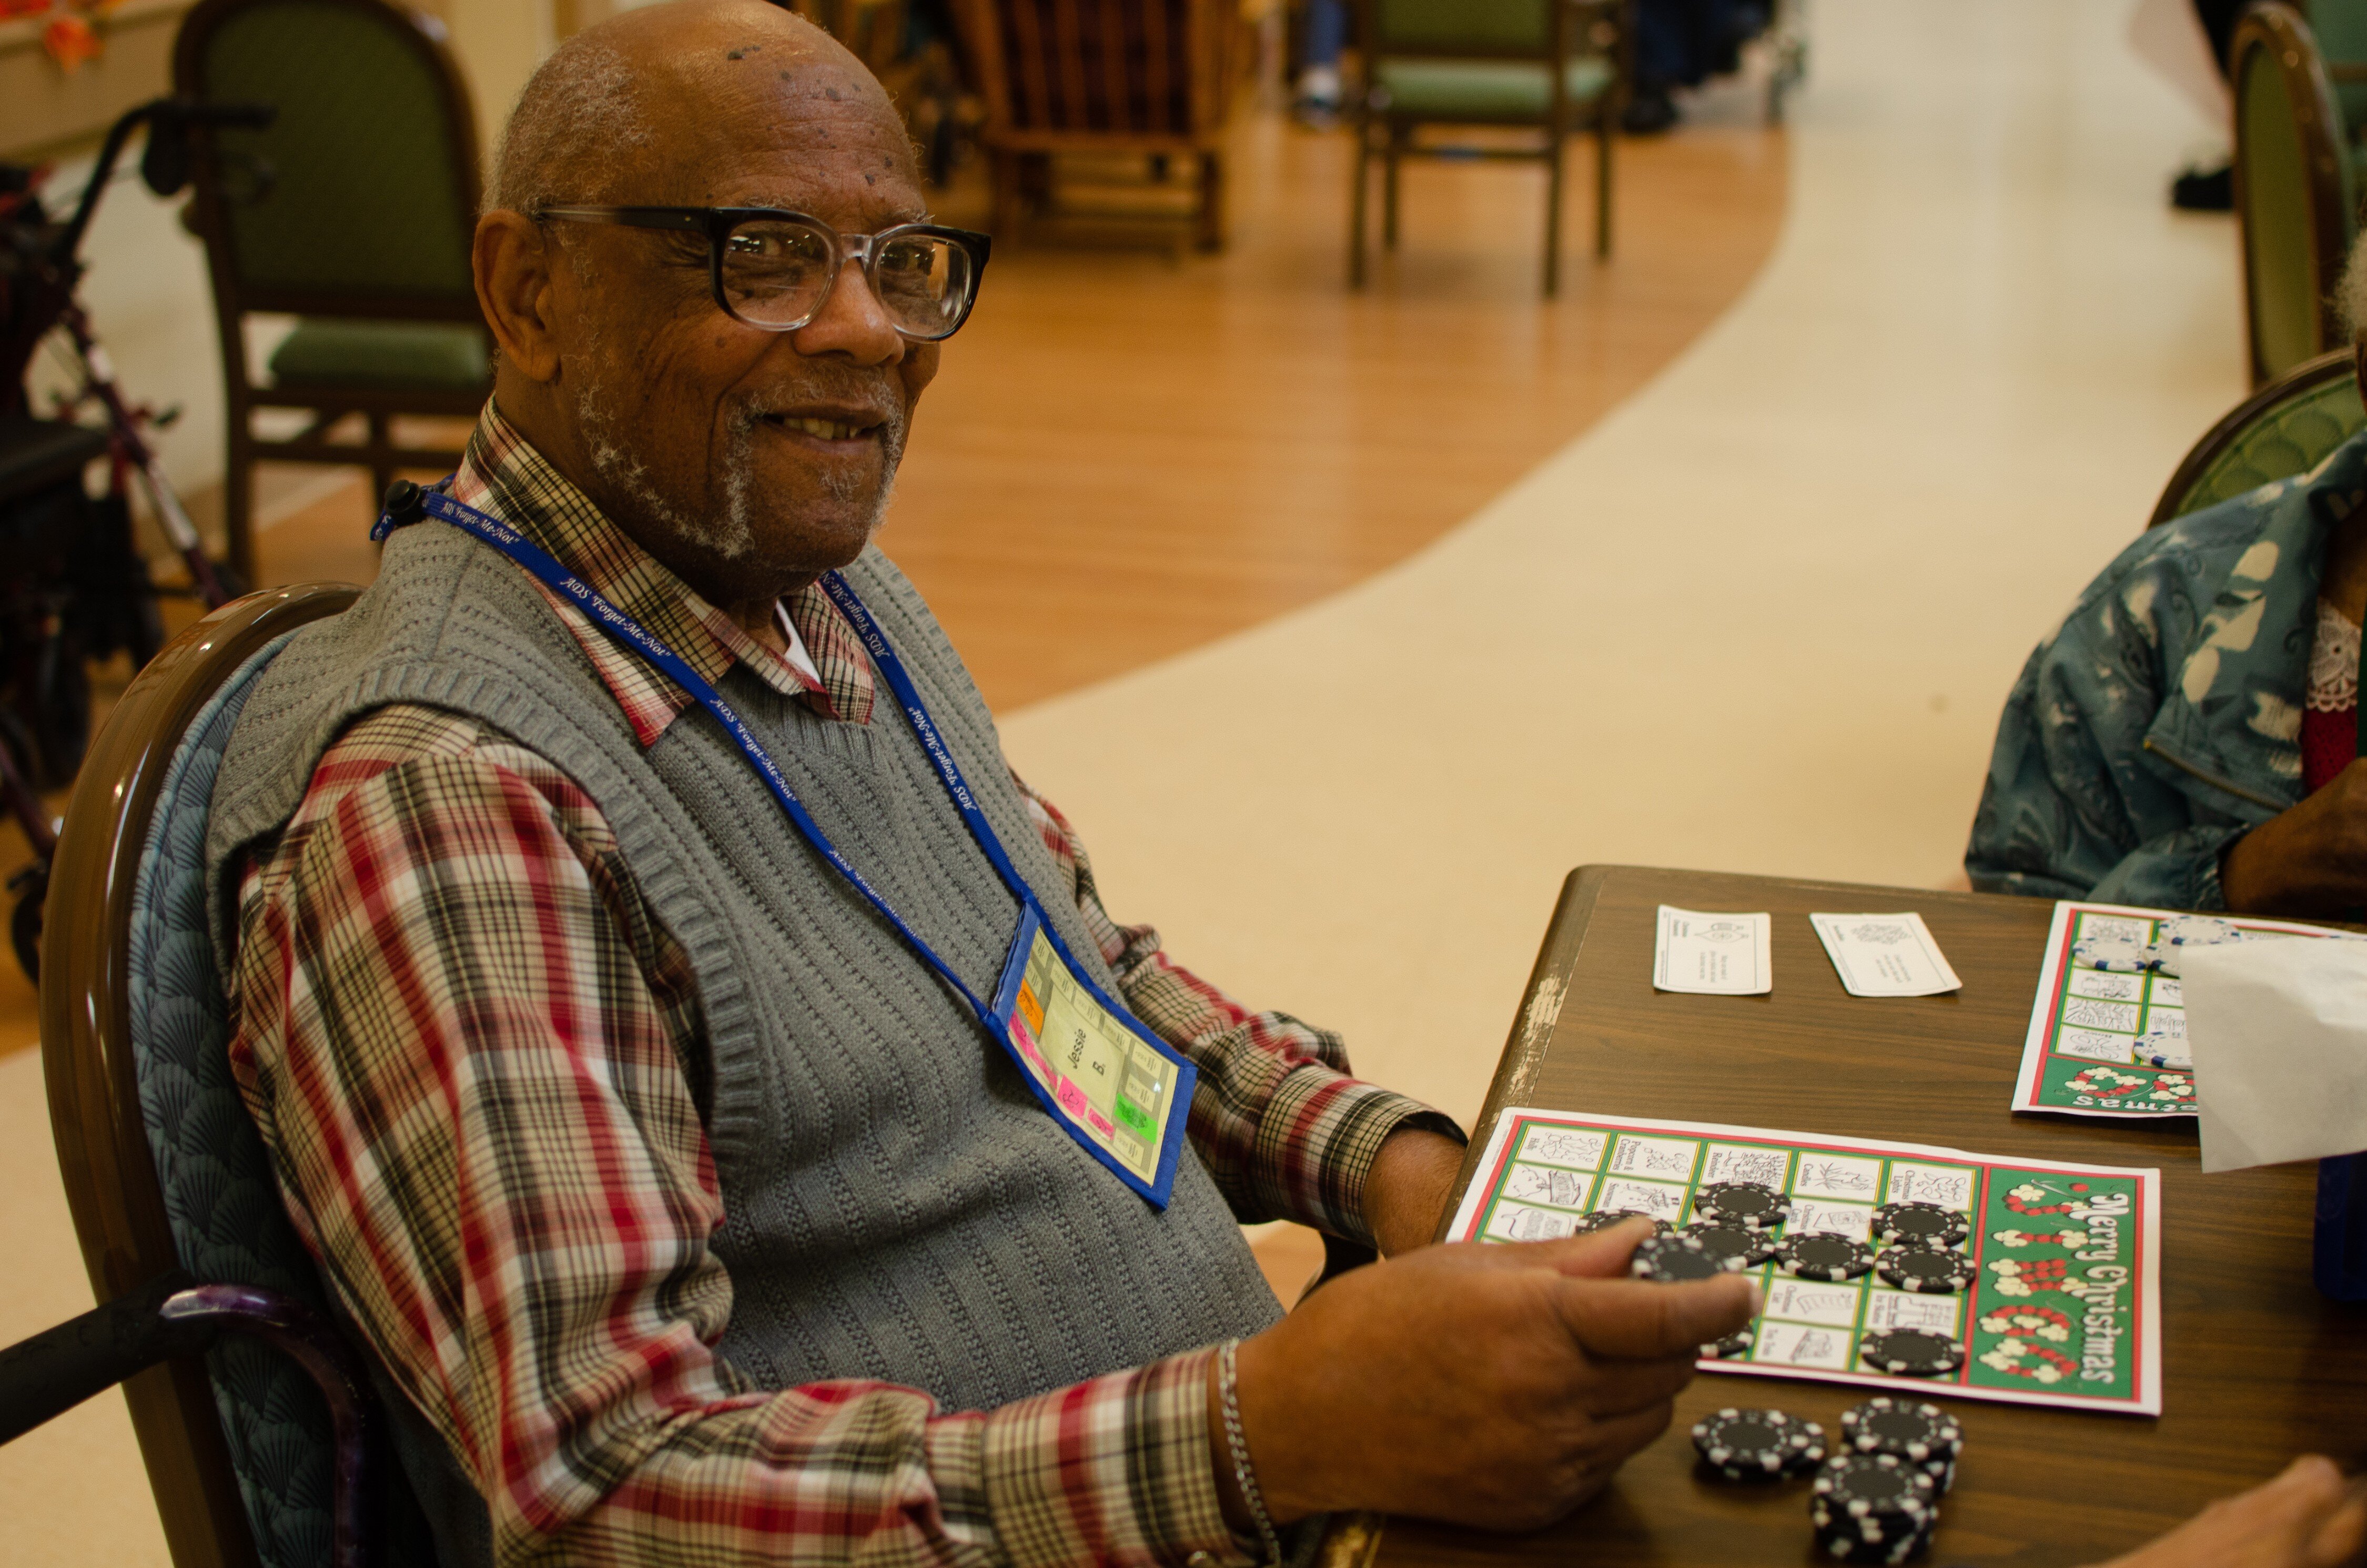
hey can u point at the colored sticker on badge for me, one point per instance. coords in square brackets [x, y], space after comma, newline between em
[1112, 1086]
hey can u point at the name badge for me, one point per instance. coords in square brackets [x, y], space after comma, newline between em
[1096, 1069]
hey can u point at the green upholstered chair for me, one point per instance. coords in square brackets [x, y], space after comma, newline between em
[2284, 428]
[353, 212]
[1552, 65]
[2295, 196]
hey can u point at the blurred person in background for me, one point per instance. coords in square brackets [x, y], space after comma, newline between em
[1683, 44]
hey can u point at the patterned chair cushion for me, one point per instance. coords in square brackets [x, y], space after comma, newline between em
[219, 1193]
[2291, 438]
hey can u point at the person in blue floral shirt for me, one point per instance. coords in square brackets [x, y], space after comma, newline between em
[2188, 737]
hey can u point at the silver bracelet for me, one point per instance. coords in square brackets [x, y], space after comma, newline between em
[1229, 1392]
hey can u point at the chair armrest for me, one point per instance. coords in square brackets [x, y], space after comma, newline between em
[44, 1377]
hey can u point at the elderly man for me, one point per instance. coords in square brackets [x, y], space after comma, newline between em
[709, 1081]
[708, 1078]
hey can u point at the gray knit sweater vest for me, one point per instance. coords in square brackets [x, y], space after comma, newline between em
[897, 1205]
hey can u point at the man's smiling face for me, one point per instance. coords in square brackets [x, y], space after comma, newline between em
[744, 459]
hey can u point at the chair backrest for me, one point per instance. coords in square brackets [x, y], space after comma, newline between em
[360, 199]
[2286, 427]
[1481, 28]
[1108, 69]
[162, 1169]
[2293, 194]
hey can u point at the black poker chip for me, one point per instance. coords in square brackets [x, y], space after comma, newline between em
[1733, 1344]
[1934, 1271]
[1873, 1508]
[1911, 1352]
[1672, 1259]
[1919, 1224]
[1923, 1435]
[1841, 1545]
[1757, 1445]
[1824, 1254]
[1603, 1219]
[1738, 1246]
[1752, 1205]
[1845, 1548]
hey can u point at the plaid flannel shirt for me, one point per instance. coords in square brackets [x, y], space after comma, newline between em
[475, 1055]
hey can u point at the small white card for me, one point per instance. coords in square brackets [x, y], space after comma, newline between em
[1885, 955]
[1711, 955]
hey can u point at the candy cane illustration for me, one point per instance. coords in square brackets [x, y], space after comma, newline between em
[2032, 1321]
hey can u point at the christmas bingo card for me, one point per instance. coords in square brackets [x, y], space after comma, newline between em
[2108, 1028]
[1896, 1266]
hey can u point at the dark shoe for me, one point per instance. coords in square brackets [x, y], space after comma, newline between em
[1649, 112]
[2204, 190]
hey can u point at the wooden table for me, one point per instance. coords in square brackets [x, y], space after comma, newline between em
[2258, 1365]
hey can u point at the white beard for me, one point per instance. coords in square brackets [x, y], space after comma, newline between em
[728, 534]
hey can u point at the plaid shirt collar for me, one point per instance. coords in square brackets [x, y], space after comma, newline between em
[505, 476]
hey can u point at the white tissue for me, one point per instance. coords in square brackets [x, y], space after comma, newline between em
[2279, 1035]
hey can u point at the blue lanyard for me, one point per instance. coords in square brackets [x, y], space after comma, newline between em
[622, 627]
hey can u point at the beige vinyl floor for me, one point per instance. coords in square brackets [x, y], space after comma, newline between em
[1760, 618]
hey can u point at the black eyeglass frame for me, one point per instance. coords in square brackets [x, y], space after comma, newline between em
[716, 224]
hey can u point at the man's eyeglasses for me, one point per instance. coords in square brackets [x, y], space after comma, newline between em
[774, 269]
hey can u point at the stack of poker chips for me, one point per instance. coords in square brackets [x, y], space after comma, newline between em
[1674, 1259]
[1688, 1254]
[1876, 1498]
[1918, 1434]
[1757, 1445]
[1751, 1205]
[1873, 1508]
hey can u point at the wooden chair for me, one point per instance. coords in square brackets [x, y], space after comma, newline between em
[1148, 77]
[2295, 200]
[1550, 65]
[353, 212]
[2286, 427]
[252, 1413]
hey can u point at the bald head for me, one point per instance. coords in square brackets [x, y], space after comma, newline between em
[648, 91]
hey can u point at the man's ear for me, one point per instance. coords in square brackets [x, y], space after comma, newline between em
[512, 261]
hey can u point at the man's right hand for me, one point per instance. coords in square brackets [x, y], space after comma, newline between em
[1498, 1386]
[2310, 860]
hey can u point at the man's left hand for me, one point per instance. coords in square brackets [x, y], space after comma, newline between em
[1407, 1189]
